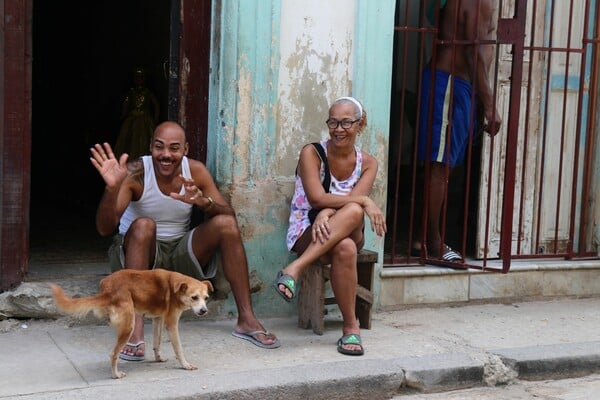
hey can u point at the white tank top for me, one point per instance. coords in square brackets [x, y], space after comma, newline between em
[172, 216]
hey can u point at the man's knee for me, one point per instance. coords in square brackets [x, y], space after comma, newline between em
[225, 224]
[143, 224]
[142, 230]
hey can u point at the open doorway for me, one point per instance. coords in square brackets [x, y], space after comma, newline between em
[414, 48]
[83, 58]
[527, 191]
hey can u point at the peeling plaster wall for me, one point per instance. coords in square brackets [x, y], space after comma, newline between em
[373, 61]
[276, 67]
[316, 68]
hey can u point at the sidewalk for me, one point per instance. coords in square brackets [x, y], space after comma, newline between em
[422, 349]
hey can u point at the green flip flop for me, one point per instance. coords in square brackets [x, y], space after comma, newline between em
[352, 338]
[287, 281]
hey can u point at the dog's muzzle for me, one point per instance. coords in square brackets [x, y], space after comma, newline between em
[202, 311]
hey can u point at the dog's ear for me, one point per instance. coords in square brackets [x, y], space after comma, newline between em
[181, 287]
[209, 286]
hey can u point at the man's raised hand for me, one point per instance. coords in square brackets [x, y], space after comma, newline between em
[112, 171]
[192, 192]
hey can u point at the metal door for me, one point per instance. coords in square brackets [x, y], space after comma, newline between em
[494, 150]
[550, 157]
[532, 194]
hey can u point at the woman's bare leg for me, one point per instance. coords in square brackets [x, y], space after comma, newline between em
[343, 282]
[347, 222]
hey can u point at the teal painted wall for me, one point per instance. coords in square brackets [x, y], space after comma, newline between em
[373, 61]
[251, 149]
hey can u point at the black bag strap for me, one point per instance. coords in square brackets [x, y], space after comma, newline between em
[323, 157]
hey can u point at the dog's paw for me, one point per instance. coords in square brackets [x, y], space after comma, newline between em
[159, 358]
[188, 366]
[118, 374]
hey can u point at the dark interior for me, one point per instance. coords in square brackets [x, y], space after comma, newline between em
[83, 57]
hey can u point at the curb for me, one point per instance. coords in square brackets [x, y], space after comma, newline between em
[358, 379]
[441, 372]
[553, 361]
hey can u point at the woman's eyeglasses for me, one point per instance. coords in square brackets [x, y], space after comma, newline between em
[346, 123]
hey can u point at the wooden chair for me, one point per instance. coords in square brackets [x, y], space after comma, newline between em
[311, 295]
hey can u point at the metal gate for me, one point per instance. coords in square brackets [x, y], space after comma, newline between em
[529, 191]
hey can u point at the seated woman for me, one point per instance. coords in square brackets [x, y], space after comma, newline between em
[337, 232]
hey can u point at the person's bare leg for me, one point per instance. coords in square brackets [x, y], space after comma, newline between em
[222, 232]
[140, 248]
[438, 182]
[343, 282]
[417, 240]
[342, 224]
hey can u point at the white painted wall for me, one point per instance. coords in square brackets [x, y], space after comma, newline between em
[315, 69]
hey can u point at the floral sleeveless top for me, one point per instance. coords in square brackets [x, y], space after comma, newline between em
[300, 206]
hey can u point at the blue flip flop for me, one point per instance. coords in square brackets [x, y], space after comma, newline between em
[250, 336]
[451, 255]
[132, 357]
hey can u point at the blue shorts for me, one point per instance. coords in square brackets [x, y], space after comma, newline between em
[448, 141]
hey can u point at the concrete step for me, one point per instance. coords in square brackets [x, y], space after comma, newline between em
[399, 287]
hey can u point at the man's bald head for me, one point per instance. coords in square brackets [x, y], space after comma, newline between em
[170, 127]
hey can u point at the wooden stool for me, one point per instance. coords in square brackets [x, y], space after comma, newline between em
[311, 295]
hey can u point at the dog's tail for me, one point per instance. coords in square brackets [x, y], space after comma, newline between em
[79, 307]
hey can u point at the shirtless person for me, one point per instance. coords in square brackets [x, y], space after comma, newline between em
[459, 68]
[149, 201]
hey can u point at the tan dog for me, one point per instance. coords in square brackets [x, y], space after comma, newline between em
[158, 293]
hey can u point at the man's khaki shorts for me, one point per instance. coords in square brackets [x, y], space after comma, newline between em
[175, 255]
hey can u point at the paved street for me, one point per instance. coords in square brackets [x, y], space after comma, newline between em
[419, 349]
[585, 388]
